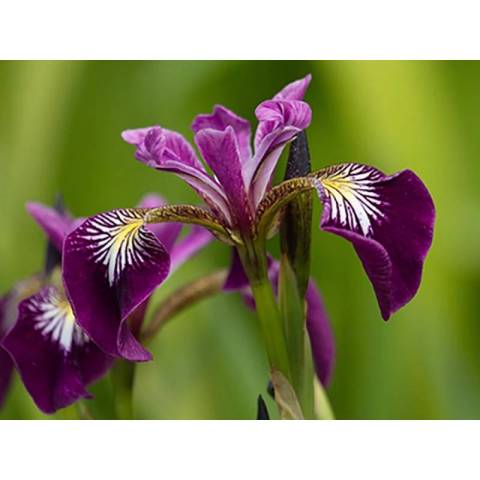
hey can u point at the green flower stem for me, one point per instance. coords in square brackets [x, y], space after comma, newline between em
[182, 298]
[123, 375]
[254, 259]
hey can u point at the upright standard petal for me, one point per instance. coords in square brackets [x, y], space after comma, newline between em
[220, 151]
[166, 150]
[54, 356]
[111, 264]
[320, 333]
[55, 224]
[220, 119]
[388, 219]
[295, 90]
[279, 122]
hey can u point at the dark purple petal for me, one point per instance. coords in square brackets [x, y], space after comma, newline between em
[295, 90]
[388, 219]
[6, 370]
[320, 333]
[166, 150]
[220, 151]
[220, 119]
[55, 224]
[112, 263]
[236, 278]
[279, 122]
[53, 355]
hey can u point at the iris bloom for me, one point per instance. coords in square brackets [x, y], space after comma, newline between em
[54, 355]
[113, 261]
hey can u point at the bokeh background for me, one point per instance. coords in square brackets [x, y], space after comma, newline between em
[60, 125]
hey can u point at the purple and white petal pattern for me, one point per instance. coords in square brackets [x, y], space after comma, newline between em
[388, 219]
[220, 150]
[111, 264]
[279, 122]
[320, 333]
[220, 119]
[166, 150]
[56, 225]
[54, 356]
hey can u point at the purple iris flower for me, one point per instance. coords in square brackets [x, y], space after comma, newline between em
[114, 258]
[55, 356]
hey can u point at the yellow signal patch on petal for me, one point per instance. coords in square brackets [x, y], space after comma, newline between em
[354, 201]
[119, 239]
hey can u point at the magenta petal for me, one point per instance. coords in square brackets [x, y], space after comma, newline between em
[220, 119]
[51, 352]
[169, 151]
[56, 225]
[192, 243]
[274, 116]
[388, 219]
[279, 122]
[320, 333]
[111, 264]
[220, 151]
[295, 90]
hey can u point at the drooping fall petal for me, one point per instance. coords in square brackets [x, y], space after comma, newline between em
[55, 358]
[388, 219]
[111, 264]
[320, 333]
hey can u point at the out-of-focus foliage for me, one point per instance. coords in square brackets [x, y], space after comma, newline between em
[59, 132]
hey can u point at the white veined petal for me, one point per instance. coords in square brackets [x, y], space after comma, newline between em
[53, 317]
[354, 201]
[119, 239]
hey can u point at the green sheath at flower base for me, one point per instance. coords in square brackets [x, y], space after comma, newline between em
[296, 227]
[295, 235]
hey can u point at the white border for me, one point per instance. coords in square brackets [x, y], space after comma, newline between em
[239, 450]
[246, 29]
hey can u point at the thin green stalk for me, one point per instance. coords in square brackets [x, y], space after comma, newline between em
[123, 375]
[254, 260]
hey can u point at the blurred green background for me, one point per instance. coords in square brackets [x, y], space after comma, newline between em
[60, 125]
